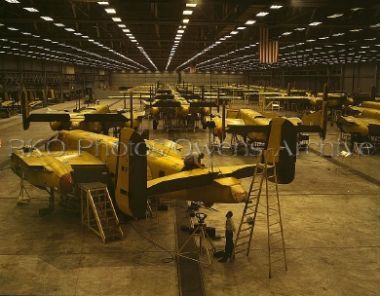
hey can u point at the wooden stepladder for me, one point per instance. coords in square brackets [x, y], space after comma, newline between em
[263, 200]
[98, 212]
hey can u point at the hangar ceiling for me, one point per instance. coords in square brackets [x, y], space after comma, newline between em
[175, 34]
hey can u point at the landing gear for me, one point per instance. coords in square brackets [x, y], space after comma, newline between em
[46, 211]
[155, 124]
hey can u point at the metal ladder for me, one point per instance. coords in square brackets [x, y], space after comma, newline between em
[98, 212]
[264, 176]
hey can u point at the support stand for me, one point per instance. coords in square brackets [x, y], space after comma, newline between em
[199, 232]
[152, 209]
[23, 196]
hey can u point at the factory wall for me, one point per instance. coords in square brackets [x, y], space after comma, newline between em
[350, 78]
[37, 74]
[133, 79]
[14, 64]
[199, 79]
[359, 78]
[47, 79]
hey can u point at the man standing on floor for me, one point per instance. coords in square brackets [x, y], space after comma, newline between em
[230, 229]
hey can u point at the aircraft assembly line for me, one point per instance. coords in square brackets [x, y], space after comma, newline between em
[191, 147]
[318, 199]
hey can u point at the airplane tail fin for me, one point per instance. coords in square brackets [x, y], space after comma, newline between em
[131, 174]
[282, 141]
[317, 119]
[25, 111]
[324, 120]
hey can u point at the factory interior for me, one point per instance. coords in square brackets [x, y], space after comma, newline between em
[189, 147]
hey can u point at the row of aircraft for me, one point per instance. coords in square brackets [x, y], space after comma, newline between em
[253, 125]
[126, 173]
[169, 104]
[362, 122]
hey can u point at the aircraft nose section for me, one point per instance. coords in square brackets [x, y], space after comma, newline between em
[66, 183]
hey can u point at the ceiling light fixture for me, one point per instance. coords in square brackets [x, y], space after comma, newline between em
[314, 24]
[250, 22]
[31, 9]
[275, 6]
[262, 14]
[335, 15]
[47, 18]
[110, 10]
[187, 12]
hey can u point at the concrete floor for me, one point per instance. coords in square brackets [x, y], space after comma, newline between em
[330, 220]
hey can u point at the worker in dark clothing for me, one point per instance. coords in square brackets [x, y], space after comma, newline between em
[193, 161]
[230, 229]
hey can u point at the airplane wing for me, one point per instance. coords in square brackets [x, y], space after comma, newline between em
[53, 169]
[196, 178]
[109, 118]
[37, 158]
[180, 181]
[164, 147]
[165, 143]
[48, 117]
[237, 171]
[201, 104]
[136, 114]
[246, 129]
[167, 103]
